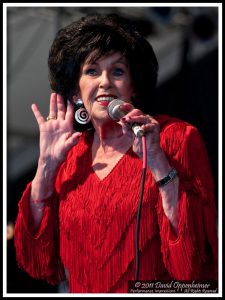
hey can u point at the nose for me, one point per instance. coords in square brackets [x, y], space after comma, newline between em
[105, 81]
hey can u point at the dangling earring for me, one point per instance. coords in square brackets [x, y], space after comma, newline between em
[81, 115]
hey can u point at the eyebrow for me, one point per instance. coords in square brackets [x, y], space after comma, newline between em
[122, 60]
[119, 60]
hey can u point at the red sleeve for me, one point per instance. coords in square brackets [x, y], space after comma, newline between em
[37, 253]
[193, 254]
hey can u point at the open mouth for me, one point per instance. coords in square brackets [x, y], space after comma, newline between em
[104, 100]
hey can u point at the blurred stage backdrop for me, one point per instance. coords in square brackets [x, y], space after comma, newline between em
[185, 40]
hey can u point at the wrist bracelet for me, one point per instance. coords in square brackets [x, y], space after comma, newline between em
[164, 181]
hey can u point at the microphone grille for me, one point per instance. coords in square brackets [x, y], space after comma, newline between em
[113, 109]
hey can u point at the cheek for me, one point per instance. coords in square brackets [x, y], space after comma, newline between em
[87, 93]
[127, 89]
[86, 87]
[82, 85]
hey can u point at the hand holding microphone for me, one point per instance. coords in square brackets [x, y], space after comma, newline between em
[116, 112]
[141, 125]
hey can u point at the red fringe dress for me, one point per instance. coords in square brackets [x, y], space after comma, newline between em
[89, 225]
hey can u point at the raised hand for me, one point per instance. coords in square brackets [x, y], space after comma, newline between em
[56, 134]
[57, 137]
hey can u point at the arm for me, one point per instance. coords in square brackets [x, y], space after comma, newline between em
[156, 159]
[37, 225]
[37, 249]
[56, 139]
[186, 207]
[192, 254]
[160, 167]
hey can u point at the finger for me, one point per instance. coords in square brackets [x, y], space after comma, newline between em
[134, 112]
[40, 119]
[151, 119]
[142, 119]
[69, 112]
[72, 139]
[53, 105]
[151, 127]
[60, 107]
[126, 128]
[126, 107]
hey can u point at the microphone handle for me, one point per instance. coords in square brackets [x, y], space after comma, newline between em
[116, 113]
[137, 130]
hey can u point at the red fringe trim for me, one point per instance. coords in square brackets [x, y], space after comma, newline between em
[38, 254]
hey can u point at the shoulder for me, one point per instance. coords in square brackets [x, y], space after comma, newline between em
[177, 134]
[169, 123]
[171, 126]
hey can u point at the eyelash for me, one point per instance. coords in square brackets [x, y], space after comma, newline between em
[121, 71]
[89, 71]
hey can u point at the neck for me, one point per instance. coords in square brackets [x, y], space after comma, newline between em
[111, 138]
[107, 130]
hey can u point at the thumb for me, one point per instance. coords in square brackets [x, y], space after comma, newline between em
[72, 139]
[126, 127]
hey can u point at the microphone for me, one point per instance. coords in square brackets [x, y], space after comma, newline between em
[116, 113]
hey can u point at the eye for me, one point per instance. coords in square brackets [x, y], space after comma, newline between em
[90, 71]
[118, 72]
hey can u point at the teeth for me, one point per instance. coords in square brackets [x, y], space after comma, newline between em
[105, 98]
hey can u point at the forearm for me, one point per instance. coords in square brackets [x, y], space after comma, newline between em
[37, 249]
[42, 188]
[169, 195]
[160, 168]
